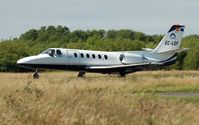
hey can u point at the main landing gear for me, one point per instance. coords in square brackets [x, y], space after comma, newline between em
[81, 74]
[36, 74]
[122, 73]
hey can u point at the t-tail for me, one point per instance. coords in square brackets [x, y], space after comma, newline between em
[170, 44]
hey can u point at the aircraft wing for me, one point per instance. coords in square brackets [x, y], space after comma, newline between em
[116, 66]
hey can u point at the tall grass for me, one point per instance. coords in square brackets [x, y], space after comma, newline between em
[59, 98]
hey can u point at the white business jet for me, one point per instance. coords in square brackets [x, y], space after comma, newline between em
[121, 62]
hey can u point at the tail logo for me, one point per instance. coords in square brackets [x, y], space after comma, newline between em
[173, 36]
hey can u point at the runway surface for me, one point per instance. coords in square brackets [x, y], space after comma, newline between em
[179, 94]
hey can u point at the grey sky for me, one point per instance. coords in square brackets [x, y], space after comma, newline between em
[148, 16]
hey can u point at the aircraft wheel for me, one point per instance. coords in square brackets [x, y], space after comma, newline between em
[81, 74]
[122, 74]
[36, 75]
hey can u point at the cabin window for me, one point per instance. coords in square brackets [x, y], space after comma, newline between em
[82, 55]
[93, 55]
[87, 55]
[99, 56]
[105, 57]
[122, 56]
[75, 55]
[59, 53]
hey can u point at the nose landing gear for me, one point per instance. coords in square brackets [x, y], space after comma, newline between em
[36, 74]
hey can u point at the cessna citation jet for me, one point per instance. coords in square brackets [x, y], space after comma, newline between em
[121, 62]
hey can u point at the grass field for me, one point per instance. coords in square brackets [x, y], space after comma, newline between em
[60, 98]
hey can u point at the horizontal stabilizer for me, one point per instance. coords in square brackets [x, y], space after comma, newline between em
[174, 51]
[147, 49]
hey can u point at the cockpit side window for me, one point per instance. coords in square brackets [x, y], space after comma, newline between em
[59, 53]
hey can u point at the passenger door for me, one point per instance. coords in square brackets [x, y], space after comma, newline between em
[61, 56]
[73, 57]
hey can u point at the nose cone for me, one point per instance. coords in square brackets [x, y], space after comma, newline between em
[33, 61]
[26, 60]
[21, 61]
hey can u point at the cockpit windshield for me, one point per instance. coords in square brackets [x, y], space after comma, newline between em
[51, 52]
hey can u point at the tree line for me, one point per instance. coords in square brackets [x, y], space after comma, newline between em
[35, 41]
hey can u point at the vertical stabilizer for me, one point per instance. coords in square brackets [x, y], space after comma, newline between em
[171, 41]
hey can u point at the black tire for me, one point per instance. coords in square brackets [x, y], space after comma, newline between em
[36, 76]
[81, 74]
[122, 74]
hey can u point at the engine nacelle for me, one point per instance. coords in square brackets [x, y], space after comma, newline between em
[129, 58]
